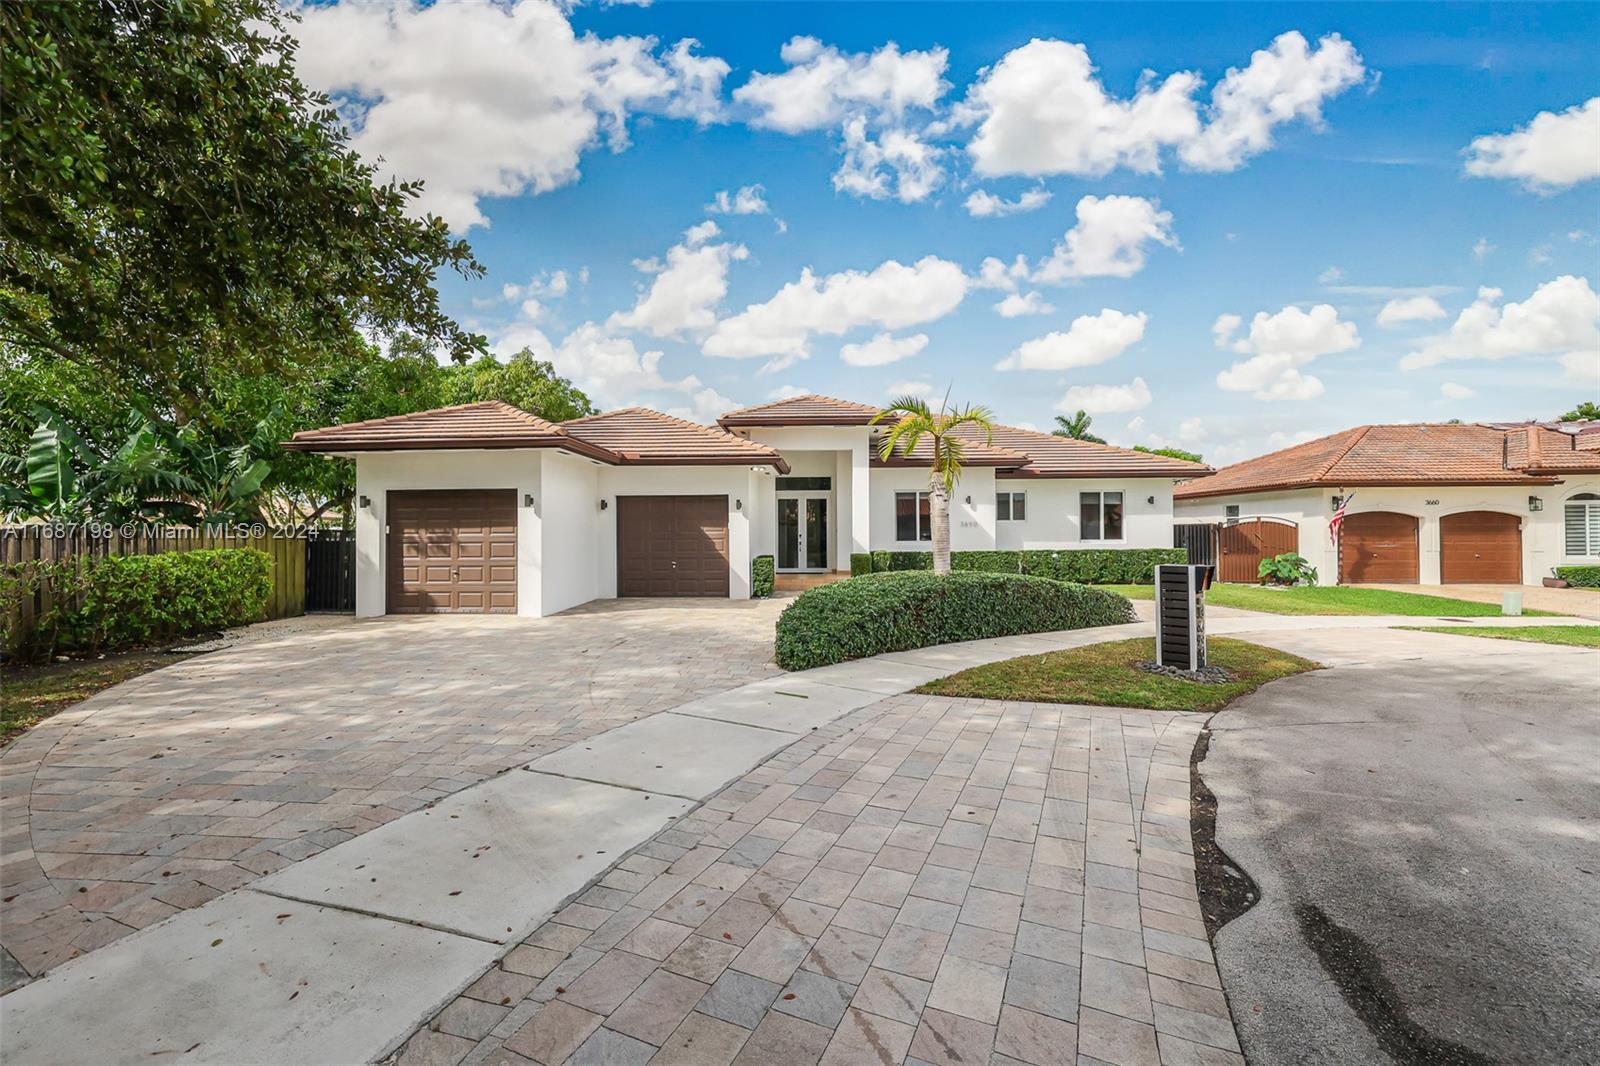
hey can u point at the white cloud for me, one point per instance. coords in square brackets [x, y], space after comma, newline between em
[1279, 345]
[1561, 318]
[1223, 329]
[984, 204]
[484, 100]
[1582, 369]
[891, 296]
[748, 200]
[1090, 340]
[545, 284]
[1553, 152]
[1106, 399]
[996, 274]
[1329, 276]
[920, 389]
[611, 369]
[784, 392]
[1399, 311]
[1286, 81]
[897, 164]
[687, 289]
[1018, 304]
[1109, 239]
[824, 85]
[882, 349]
[1481, 249]
[1451, 391]
[1042, 110]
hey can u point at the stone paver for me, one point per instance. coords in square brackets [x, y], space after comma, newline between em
[168, 790]
[926, 880]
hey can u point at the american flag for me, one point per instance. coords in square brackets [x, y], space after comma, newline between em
[1338, 519]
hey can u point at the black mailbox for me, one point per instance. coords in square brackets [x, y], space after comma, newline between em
[1181, 615]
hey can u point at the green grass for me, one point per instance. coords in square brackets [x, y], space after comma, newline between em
[1104, 675]
[29, 695]
[1573, 636]
[1330, 599]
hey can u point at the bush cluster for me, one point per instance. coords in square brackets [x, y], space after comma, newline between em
[899, 611]
[1085, 566]
[102, 604]
[762, 569]
[1583, 577]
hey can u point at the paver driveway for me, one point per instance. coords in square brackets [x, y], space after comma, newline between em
[167, 790]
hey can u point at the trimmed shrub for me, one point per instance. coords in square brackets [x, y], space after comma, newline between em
[1101, 566]
[860, 563]
[762, 569]
[1583, 577]
[880, 562]
[987, 562]
[899, 561]
[895, 612]
[120, 601]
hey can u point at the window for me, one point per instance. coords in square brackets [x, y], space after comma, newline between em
[912, 518]
[1011, 506]
[1582, 523]
[1099, 516]
[1231, 511]
[804, 484]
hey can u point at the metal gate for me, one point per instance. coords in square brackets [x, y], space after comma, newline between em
[330, 570]
[1242, 545]
[1199, 539]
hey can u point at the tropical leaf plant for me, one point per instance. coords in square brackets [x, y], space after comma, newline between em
[914, 420]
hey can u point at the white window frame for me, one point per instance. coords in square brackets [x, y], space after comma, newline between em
[1012, 500]
[1230, 512]
[925, 531]
[1122, 537]
[1586, 506]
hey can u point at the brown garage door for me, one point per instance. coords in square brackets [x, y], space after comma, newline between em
[1480, 547]
[672, 546]
[453, 551]
[1378, 547]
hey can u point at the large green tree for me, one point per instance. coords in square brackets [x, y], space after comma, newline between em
[1076, 427]
[1586, 411]
[176, 201]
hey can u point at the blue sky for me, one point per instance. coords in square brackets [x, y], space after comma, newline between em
[1332, 193]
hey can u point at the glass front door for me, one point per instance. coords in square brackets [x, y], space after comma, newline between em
[802, 532]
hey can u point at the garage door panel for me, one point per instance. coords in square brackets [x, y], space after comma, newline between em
[1482, 547]
[1379, 547]
[672, 546]
[441, 543]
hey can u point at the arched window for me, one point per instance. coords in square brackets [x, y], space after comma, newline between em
[1582, 516]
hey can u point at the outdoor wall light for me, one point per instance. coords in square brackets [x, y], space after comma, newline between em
[969, 501]
[738, 505]
[366, 501]
[604, 505]
[527, 499]
[1150, 499]
[1535, 504]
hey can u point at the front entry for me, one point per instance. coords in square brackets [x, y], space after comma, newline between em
[802, 532]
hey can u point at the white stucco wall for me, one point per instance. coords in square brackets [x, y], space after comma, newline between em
[734, 482]
[570, 515]
[1053, 513]
[971, 525]
[1542, 531]
[379, 473]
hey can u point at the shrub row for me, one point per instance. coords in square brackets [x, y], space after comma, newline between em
[1087, 566]
[1583, 577]
[880, 613]
[762, 569]
[101, 604]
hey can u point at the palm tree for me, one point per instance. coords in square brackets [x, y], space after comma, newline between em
[914, 420]
[1076, 427]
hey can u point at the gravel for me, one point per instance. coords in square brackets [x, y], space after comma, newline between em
[1206, 675]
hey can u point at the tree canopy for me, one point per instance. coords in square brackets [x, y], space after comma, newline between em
[1171, 453]
[1586, 411]
[1076, 427]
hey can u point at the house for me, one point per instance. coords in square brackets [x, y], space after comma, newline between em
[484, 507]
[1429, 504]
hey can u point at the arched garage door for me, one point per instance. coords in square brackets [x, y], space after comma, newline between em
[1378, 547]
[1480, 547]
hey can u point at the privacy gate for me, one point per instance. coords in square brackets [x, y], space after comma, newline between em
[1242, 545]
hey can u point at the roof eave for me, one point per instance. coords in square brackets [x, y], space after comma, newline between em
[334, 447]
[1029, 473]
[1359, 483]
[776, 462]
[749, 421]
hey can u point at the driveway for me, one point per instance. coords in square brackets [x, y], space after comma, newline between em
[1423, 822]
[1583, 603]
[166, 791]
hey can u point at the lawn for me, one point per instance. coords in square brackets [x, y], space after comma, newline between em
[1573, 636]
[29, 695]
[1329, 599]
[1104, 675]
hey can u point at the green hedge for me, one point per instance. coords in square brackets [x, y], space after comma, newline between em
[120, 601]
[895, 612]
[762, 569]
[1583, 577]
[1084, 566]
[860, 563]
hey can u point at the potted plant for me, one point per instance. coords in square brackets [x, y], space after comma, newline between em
[1555, 581]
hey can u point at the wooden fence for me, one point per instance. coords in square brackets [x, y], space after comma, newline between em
[50, 543]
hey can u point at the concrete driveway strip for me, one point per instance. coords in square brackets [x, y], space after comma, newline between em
[1423, 822]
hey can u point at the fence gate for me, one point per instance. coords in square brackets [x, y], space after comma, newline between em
[331, 570]
[1199, 539]
[1242, 545]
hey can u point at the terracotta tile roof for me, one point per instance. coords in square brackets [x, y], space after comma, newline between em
[641, 436]
[487, 424]
[977, 453]
[802, 411]
[1450, 454]
[1050, 456]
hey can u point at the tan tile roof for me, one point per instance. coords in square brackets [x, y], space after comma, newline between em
[1050, 456]
[802, 411]
[1429, 454]
[977, 453]
[487, 424]
[639, 435]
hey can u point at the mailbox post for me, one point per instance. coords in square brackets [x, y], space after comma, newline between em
[1181, 615]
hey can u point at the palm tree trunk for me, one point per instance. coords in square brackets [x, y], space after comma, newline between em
[939, 511]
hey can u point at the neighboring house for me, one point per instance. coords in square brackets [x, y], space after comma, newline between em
[484, 507]
[1431, 504]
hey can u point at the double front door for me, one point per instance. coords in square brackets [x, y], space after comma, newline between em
[802, 532]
